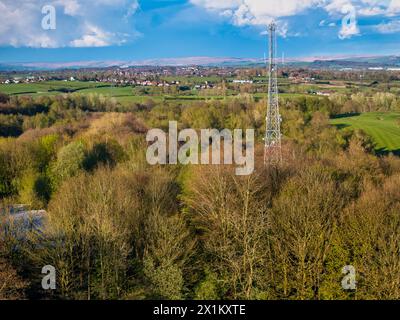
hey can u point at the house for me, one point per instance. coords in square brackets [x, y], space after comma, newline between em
[322, 93]
[243, 81]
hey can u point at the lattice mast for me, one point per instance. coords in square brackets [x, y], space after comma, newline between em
[273, 150]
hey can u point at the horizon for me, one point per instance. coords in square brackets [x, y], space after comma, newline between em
[200, 61]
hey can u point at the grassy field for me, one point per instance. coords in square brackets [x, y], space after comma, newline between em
[49, 87]
[124, 95]
[384, 128]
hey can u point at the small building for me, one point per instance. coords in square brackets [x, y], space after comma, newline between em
[243, 81]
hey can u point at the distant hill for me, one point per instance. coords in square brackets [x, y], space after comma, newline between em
[186, 61]
[356, 62]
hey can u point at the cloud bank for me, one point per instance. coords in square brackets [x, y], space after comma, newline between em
[262, 12]
[79, 23]
[100, 23]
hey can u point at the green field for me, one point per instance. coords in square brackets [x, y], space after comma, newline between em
[124, 95]
[384, 128]
[49, 87]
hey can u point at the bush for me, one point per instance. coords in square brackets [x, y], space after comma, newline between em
[35, 190]
[4, 98]
[107, 153]
[70, 160]
[12, 285]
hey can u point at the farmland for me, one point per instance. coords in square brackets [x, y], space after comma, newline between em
[48, 87]
[383, 128]
[123, 94]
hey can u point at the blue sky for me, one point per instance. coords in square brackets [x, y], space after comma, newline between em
[149, 29]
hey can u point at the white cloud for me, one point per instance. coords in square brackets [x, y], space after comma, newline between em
[394, 8]
[71, 7]
[365, 7]
[256, 12]
[261, 12]
[80, 23]
[218, 5]
[336, 6]
[93, 37]
[324, 23]
[389, 27]
[372, 11]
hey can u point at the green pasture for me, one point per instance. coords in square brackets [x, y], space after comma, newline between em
[49, 87]
[384, 128]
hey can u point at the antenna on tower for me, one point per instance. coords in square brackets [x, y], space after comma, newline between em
[273, 150]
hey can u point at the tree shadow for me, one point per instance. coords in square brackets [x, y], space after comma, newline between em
[346, 115]
[386, 152]
[341, 126]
